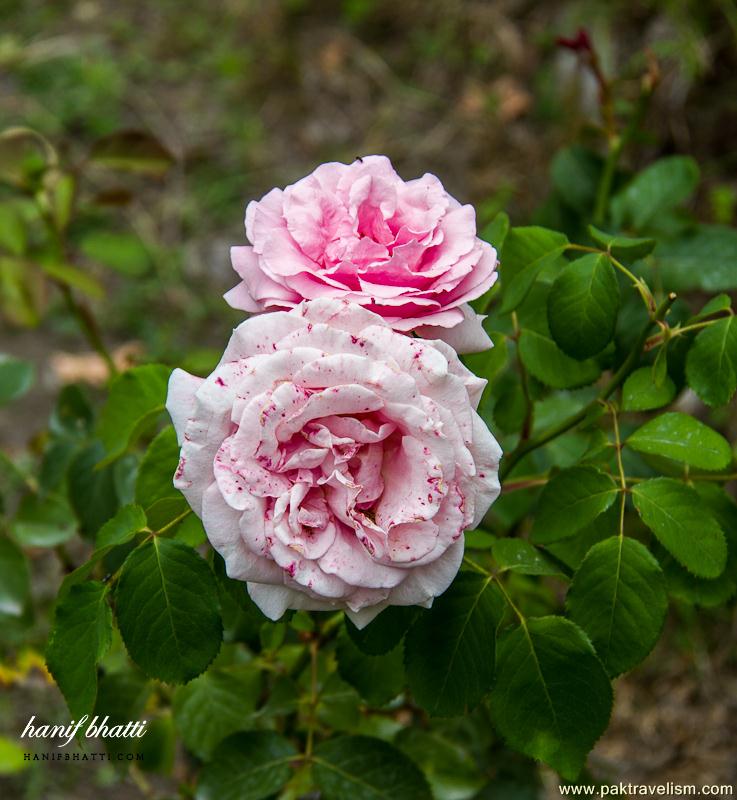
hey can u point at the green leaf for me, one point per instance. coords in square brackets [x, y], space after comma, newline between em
[618, 597]
[16, 378]
[92, 490]
[378, 679]
[43, 521]
[719, 303]
[216, 705]
[550, 365]
[117, 531]
[552, 698]
[21, 292]
[56, 460]
[385, 632]
[165, 511]
[660, 187]
[479, 540]
[15, 582]
[136, 399]
[123, 252]
[711, 363]
[570, 500]
[121, 528]
[575, 172]
[624, 248]
[364, 768]
[338, 706]
[682, 523]
[247, 765]
[526, 252]
[80, 637]
[167, 610]
[705, 259]
[583, 305]
[496, 231]
[449, 768]
[158, 747]
[702, 591]
[492, 361]
[156, 473]
[12, 757]
[76, 278]
[72, 416]
[61, 190]
[131, 151]
[12, 230]
[449, 651]
[519, 555]
[641, 393]
[509, 407]
[121, 696]
[572, 551]
[190, 531]
[682, 438]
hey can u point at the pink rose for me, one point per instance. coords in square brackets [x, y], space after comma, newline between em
[335, 463]
[406, 250]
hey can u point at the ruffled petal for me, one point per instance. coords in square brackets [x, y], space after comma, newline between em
[180, 399]
[468, 336]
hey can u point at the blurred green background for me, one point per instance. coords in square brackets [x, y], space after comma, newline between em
[248, 95]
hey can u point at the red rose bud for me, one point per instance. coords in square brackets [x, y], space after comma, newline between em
[580, 43]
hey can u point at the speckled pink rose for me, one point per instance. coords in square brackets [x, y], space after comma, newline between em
[406, 250]
[335, 462]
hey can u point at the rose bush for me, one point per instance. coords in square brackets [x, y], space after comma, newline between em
[405, 250]
[335, 463]
[609, 388]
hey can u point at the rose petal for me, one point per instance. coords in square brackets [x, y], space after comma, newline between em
[241, 563]
[468, 336]
[180, 399]
[275, 600]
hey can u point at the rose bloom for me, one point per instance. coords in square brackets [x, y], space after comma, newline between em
[406, 250]
[335, 463]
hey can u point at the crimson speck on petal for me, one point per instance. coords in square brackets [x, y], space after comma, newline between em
[335, 463]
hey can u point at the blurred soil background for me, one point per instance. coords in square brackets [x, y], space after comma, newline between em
[249, 95]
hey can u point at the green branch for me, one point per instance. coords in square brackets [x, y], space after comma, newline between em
[510, 462]
[88, 326]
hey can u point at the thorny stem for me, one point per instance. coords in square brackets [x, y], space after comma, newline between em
[638, 283]
[524, 448]
[617, 141]
[614, 140]
[659, 338]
